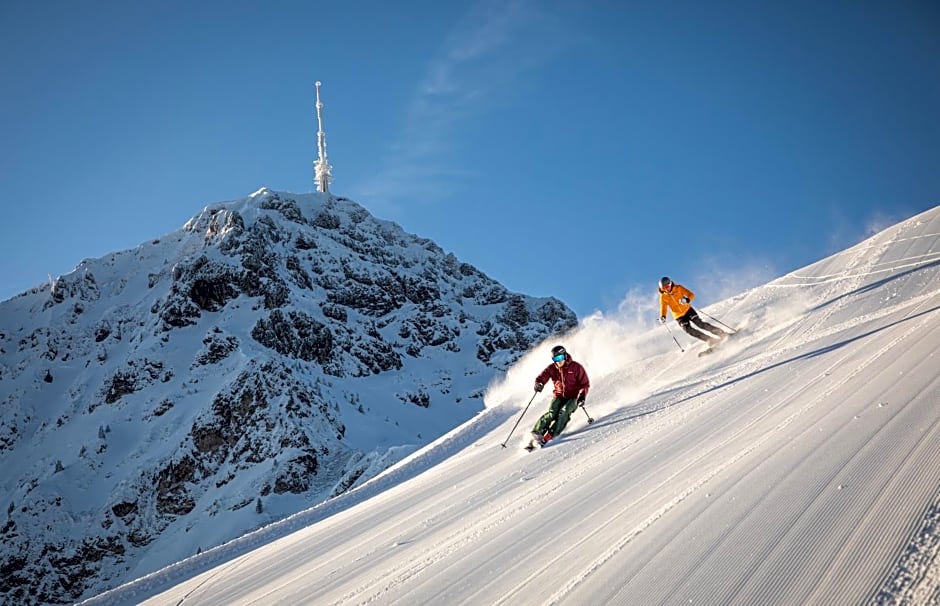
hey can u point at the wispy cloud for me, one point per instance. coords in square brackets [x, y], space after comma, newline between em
[485, 58]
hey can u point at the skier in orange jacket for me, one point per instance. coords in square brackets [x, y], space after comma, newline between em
[678, 299]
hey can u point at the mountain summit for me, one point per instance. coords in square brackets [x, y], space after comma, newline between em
[274, 352]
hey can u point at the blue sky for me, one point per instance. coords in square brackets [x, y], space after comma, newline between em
[575, 149]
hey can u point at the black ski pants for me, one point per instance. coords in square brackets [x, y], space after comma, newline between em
[691, 317]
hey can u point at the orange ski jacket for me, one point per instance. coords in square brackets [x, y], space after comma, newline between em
[672, 300]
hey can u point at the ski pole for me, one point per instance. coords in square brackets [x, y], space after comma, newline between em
[519, 419]
[673, 336]
[717, 320]
[590, 419]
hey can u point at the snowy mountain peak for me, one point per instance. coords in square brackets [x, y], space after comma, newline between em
[274, 352]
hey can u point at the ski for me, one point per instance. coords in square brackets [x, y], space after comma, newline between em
[533, 445]
[712, 347]
[535, 442]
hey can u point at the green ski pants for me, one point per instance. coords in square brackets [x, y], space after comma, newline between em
[556, 418]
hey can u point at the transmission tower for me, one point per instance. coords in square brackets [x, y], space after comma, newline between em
[323, 172]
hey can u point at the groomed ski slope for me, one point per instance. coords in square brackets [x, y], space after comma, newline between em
[800, 464]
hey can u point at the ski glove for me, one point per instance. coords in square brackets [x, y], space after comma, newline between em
[684, 300]
[581, 399]
[662, 319]
[538, 386]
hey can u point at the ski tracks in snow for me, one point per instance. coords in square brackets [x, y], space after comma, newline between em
[925, 550]
[916, 576]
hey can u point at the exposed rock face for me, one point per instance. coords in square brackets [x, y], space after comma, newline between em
[150, 396]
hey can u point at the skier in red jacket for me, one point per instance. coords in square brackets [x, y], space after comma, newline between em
[571, 386]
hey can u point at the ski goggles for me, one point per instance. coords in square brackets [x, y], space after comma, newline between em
[558, 358]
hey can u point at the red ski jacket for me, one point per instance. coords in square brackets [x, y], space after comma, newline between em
[570, 380]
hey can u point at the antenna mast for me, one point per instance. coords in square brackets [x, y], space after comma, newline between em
[322, 170]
